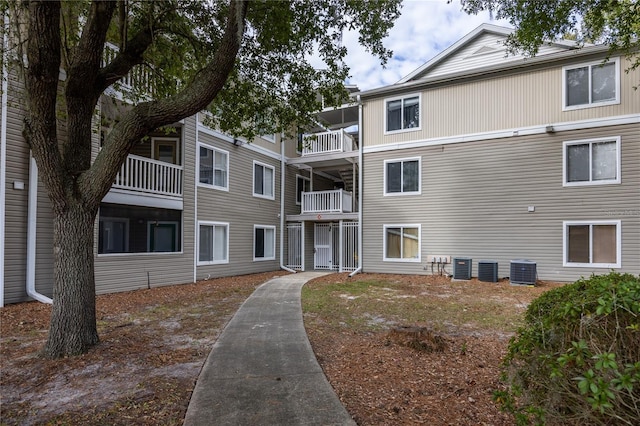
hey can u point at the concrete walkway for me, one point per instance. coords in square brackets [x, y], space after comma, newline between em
[262, 370]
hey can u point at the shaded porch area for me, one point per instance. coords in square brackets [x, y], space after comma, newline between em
[323, 246]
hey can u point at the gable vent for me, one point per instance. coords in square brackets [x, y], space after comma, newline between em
[523, 272]
[484, 50]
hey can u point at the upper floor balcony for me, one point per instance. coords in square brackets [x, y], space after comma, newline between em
[332, 141]
[137, 83]
[334, 201]
[145, 175]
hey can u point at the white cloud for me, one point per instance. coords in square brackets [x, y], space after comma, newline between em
[424, 29]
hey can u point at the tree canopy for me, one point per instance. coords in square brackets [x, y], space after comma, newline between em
[248, 62]
[273, 82]
[612, 22]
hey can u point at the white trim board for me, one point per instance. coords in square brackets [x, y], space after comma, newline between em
[508, 133]
[116, 196]
[216, 134]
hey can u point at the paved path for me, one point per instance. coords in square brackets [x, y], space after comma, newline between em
[262, 370]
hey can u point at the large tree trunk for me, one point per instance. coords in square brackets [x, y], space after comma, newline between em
[73, 319]
[74, 185]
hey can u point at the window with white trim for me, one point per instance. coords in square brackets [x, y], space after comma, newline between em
[270, 137]
[591, 162]
[592, 243]
[264, 242]
[402, 113]
[402, 176]
[113, 235]
[263, 180]
[214, 167]
[213, 243]
[402, 243]
[591, 84]
[303, 184]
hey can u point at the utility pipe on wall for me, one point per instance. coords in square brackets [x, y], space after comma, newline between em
[32, 222]
[360, 205]
[196, 231]
[282, 222]
[3, 153]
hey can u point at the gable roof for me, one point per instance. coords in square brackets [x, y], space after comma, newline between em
[482, 52]
[481, 47]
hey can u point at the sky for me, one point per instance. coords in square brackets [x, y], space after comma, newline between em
[424, 29]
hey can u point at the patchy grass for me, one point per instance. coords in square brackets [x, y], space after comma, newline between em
[443, 371]
[373, 304]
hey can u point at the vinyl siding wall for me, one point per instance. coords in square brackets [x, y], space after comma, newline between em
[135, 271]
[466, 58]
[16, 208]
[475, 197]
[508, 102]
[17, 163]
[240, 209]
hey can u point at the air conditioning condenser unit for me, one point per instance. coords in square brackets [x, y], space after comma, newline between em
[523, 272]
[488, 271]
[462, 268]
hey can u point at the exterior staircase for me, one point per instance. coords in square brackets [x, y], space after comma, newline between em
[350, 179]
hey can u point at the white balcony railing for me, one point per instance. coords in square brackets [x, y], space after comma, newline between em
[150, 176]
[138, 78]
[335, 201]
[326, 142]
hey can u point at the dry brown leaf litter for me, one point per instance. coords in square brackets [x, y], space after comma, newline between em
[154, 342]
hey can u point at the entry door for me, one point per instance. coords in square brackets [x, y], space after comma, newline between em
[322, 246]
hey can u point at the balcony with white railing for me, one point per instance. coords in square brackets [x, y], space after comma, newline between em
[327, 142]
[149, 176]
[138, 82]
[334, 201]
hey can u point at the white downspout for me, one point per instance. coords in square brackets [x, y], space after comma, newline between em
[282, 222]
[360, 206]
[32, 222]
[3, 152]
[196, 232]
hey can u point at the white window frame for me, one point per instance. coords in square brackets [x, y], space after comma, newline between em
[213, 185]
[401, 193]
[212, 262]
[265, 227]
[273, 181]
[159, 139]
[565, 243]
[271, 137]
[402, 98]
[590, 104]
[298, 178]
[565, 159]
[400, 259]
[124, 220]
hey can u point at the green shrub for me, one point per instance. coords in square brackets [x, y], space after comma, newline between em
[577, 358]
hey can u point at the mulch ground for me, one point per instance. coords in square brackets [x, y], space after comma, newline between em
[154, 343]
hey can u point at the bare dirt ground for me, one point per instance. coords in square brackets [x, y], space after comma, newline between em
[154, 343]
[446, 376]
